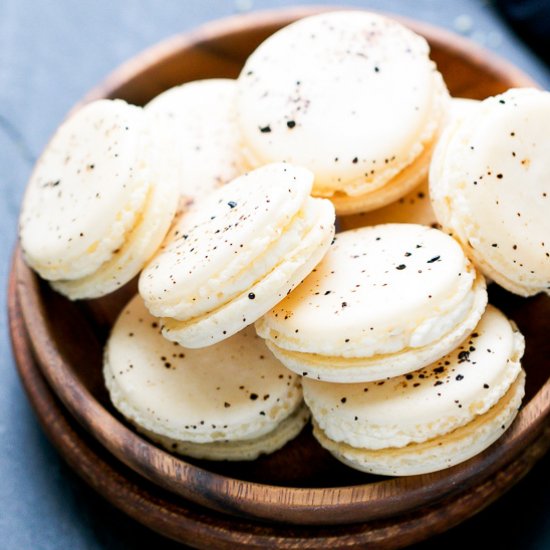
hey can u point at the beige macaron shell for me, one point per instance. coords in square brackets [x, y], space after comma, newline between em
[354, 78]
[348, 370]
[143, 240]
[231, 391]
[439, 453]
[489, 184]
[86, 191]
[207, 133]
[265, 293]
[378, 290]
[208, 258]
[244, 449]
[426, 403]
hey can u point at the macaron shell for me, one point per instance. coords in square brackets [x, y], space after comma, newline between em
[346, 370]
[489, 185]
[427, 403]
[265, 293]
[355, 78]
[245, 449]
[147, 235]
[206, 260]
[207, 134]
[86, 191]
[435, 454]
[416, 281]
[231, 391]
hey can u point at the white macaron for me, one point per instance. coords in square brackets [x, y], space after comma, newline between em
[489, 184]
[231, 401]
[429, 419]
[100, 200]
[360, 104]
[385, 300]
[237, 254]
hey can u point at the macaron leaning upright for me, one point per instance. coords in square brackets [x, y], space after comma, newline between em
[361, 105]
[384, 301]
[490, 187]
[100, 200]
[232, 401]
[206, 131]
[237, 254]
[430, 419]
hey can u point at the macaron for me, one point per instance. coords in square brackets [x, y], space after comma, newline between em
[100, 200]
[385, 300]
[430, 419]
[231, 401]
[415, 206]
[489, 185]
[206, 131]
[361, 105]
[237, 254]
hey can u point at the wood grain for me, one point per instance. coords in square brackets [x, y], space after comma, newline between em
[301, 484]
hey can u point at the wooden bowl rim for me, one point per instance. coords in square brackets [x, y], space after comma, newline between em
[315, 506]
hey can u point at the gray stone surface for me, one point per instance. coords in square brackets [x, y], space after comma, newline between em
[51, 53]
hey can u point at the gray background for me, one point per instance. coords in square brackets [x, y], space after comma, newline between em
[51, 53]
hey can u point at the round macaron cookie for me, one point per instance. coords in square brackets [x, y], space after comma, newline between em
[415, 206]
[385, 300]
[232, 401]
[100, 200]
[361, 105]
[489, 185]
[206, 131]
[432, 418]
[237, 254]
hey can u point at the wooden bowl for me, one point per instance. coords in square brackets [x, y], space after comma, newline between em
[187, 523]
[301, 484]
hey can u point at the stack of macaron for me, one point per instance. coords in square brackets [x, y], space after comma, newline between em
[223, 194]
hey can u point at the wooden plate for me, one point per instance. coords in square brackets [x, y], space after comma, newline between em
[300, 484]
[201, 528]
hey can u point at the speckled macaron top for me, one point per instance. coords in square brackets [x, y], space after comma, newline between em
[489, 184]
[426, 403]
[230, 391]
[203, 113]
[359, 102]
[378, 290]
[86, 191]
[230, 241]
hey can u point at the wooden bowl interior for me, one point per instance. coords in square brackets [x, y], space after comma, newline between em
[68, 337]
